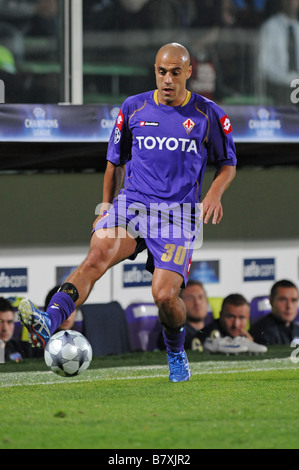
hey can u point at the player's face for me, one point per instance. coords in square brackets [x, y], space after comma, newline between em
[234, 319]
[196, 302]
[285, 303]
[6, 326]
[172, 71]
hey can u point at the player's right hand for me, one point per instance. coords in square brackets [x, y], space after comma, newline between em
[98, 219]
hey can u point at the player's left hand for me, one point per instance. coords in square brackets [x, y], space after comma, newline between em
[212, 207]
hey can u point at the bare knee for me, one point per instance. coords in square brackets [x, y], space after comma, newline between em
[96, 262]
[164, 298]
[172, 311]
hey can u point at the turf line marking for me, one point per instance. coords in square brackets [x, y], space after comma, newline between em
[99, 374]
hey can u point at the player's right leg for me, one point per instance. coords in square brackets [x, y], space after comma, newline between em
[172, 315]
[106, 250]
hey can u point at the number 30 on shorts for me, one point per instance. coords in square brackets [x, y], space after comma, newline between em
[177, 254]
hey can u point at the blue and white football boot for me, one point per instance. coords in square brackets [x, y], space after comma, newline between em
[179, 368]
[37, 323]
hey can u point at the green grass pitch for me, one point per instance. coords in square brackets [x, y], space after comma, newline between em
[127, 402]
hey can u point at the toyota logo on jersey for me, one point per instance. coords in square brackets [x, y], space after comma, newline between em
[226, 125]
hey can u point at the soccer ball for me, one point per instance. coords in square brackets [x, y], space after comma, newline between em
[68, 353]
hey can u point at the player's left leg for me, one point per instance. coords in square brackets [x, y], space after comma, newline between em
[172, 314]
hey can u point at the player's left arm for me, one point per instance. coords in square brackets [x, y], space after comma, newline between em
[211, 204]
[222, 152]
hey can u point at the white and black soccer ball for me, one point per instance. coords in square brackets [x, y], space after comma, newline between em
[68, 353]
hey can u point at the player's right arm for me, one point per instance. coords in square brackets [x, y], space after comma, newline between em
[113, 179]
[118, 154]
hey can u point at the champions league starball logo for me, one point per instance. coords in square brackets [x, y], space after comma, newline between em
[40, 124]
[264, 124]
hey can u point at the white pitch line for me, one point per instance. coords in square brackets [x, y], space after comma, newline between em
[200, 368]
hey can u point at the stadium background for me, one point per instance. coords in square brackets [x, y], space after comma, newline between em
[97, 53]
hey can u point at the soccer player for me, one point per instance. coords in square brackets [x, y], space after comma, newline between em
[160, 143]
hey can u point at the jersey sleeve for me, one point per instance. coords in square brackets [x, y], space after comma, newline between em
[120, 142]
[220, 143]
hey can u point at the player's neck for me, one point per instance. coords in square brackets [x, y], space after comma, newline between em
[179, 101]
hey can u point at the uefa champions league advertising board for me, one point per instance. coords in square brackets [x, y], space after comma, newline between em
[56, 123]
[94, 123]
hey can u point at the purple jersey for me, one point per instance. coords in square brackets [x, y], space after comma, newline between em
[166, 147]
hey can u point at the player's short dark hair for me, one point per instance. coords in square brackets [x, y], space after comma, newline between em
[234, 299]
[5, 305]
[282, 283]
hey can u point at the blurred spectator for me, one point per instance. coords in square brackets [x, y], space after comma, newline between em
[138, 14]
[228, 13]
[44, 21]
[15, 350]
[279, 52]
[13, 92]
[12, 39]
[220, 60]
[242, 13]
[195, 299]
[21, 20]
[7, 62]
[228, 333]
[249, 13]
[279, 326]
[207, 13]
[233, 320]
[31, 17]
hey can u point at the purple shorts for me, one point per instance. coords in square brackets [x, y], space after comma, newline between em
[167, 231]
